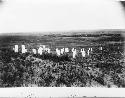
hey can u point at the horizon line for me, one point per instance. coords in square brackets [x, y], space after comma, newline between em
[61, 32]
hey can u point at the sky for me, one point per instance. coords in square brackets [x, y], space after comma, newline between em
[60, 15]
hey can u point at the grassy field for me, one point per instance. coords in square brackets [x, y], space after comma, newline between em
[101, 69]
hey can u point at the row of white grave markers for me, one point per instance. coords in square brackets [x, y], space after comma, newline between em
[42, 49]
[74, 51]
[62, 51]
[16, 48]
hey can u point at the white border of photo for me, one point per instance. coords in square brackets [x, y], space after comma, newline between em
[61, 92]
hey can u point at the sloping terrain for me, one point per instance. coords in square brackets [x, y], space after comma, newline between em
[103, 68]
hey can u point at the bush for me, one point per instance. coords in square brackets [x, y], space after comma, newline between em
[47, 70]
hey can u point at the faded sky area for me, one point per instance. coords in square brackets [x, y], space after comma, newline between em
[60, 15]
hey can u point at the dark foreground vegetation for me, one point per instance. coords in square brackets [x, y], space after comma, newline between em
[104, 69]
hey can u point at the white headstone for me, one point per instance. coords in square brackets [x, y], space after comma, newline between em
[66, 49]
[40, 50]
[58, 51]
[83, 52]
[74, 52]
[34, 51]
[24, 50]
[16, 48]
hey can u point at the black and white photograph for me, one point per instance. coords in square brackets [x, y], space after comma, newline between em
[90, 59]
[62, 44]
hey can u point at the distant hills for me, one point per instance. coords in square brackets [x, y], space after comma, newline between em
[64, 38]
[78, 33]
